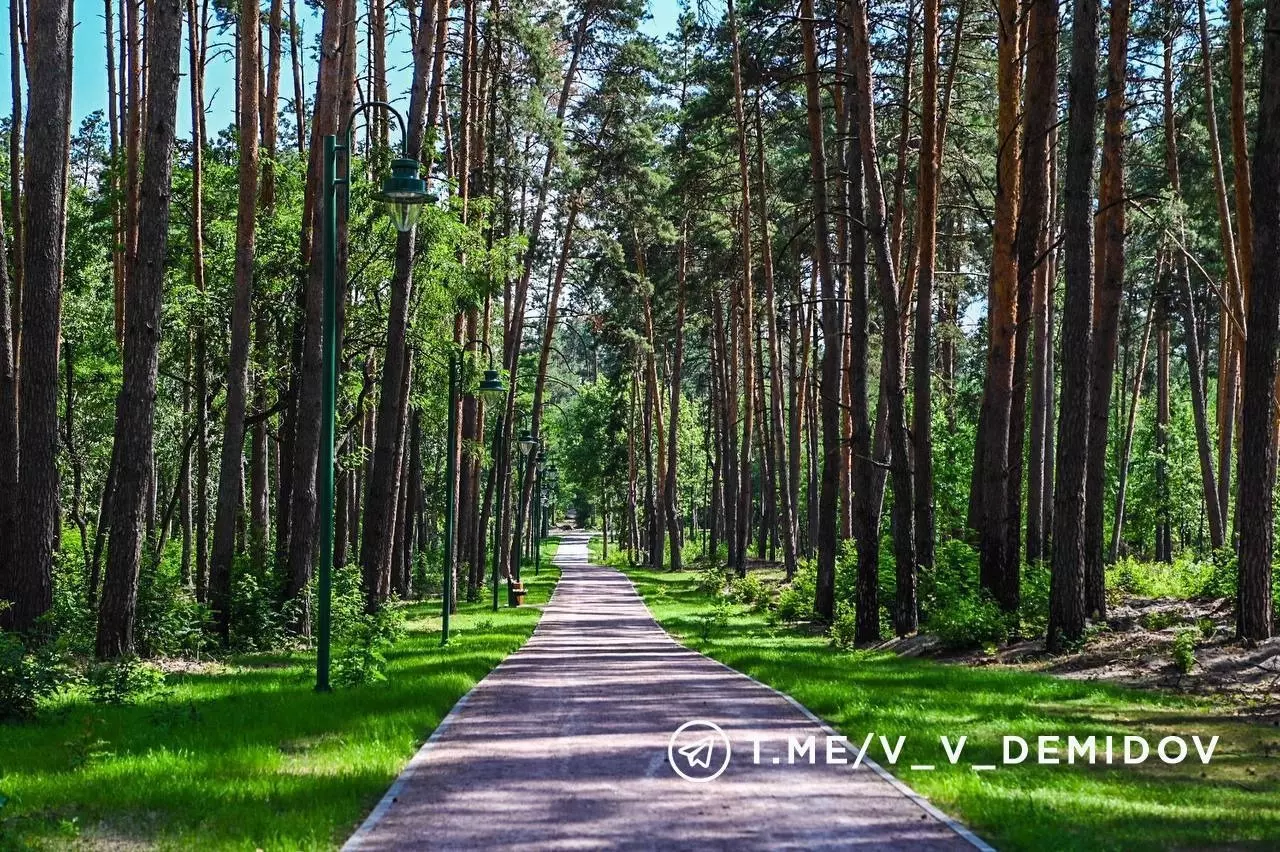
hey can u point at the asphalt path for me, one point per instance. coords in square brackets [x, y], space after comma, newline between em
[568, 745]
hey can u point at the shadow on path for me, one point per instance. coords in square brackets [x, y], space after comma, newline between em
[565, 746]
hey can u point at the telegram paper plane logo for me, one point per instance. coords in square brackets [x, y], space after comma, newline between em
[699, 751]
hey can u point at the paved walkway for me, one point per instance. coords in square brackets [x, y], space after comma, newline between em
[565, 746]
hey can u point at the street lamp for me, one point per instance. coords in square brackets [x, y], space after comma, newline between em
[491, 387]
[405, 192]
[538, 497]
[528, 444]
[553, 485]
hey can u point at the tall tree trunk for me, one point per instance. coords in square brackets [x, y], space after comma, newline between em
[828, 505]
[1231, 339]
[1066, 587]
[1254, 612]
[1031, 248]
[135, 406]
[992, 454]
[34, 539]
[8, 435]
[380, 495]
[231, 468]
[1186, 304]
[906, 614]
[306, 437]
[1109, 288]
[744, 294]
[927, 240]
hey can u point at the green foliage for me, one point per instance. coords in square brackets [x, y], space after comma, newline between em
[361, 639]
[752, 591]
[795, 603]
[1184, 650]
[1161, 619]
[713, 579]
[258, 623]
[1188, 576]
[714, 619]
[958, 611]
[844, 630]
[27, 676]
[970, 621]
[124, 681]
[1033, 607]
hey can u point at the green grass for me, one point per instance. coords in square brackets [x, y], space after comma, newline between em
[247, 756]
[1234, 802]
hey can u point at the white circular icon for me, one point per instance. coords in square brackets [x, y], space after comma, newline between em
[695, 751]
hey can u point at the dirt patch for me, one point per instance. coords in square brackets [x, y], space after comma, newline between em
[1134, 647]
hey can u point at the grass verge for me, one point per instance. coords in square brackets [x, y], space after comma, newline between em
[246, 755]
[1233, 802]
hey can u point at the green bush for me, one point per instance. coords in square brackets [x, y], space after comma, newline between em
[362, 639]
[123, 681]
[257, 624]
[26, 677]
[714, 619]
[751, 590]
[1184, 650]
[712, 580]
[795, 603]
[844, 630]
[970, 621]
[956, 609]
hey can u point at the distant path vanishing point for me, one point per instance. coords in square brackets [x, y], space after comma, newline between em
[565, 746]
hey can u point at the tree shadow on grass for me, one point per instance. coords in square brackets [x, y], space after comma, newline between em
[1234, 801]
[245, 757]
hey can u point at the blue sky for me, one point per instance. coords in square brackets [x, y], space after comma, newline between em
[89, 88]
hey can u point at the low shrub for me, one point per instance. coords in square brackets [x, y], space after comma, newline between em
[27, 676]
[844, 630]
[751, 591]
[795, 603]
[1184, 650]
[362, 641]
[124, 681]
[714, 619]
[970, 621]
[712, 580]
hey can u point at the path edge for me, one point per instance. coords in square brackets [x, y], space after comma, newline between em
[921, 801]
[356, 841]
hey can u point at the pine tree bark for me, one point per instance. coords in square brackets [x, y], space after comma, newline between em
[1031, 247]
[1066, 586]
[828, 500]
[303, 495]
[993, 454]
[1109, 288]
[8, 435]
[380, 494]
[231, 467]
[1254, 613]
[927, 240]
[34, 539]
[744, 295]
[135, 406]
[906, 610]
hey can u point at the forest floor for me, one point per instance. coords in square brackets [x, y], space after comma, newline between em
[1233, 801]
[244, 754]
[1134, 647]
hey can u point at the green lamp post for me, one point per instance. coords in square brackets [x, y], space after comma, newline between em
[404, 192]
[491, 388]
[528, 444]
[539, 501]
